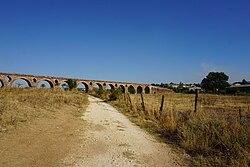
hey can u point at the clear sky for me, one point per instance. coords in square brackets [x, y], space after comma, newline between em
[146, 41]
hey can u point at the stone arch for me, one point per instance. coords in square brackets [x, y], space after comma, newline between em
[122, 87]
[131, 89]
[21, 82]
[56, 82]
[1, 83]
[8, 79]
[110, 87]
[139, 89]
[34, 80]
[47, 83]
[84, 87]
[147, 90]
[64, 85]
[98, 85]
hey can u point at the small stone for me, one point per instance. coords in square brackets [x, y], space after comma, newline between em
[3, 130]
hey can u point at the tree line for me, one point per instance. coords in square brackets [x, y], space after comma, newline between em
[214, 82]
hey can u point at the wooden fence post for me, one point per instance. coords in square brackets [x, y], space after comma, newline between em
[130, 102]
[195, 101]
[142, 103]
[162, 103]
[125, 98]
[240, 114]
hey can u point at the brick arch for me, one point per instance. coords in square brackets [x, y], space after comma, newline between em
[28, 80]
[122, 87]
[112, 86]
[100, 85]
[47, 80]
[131, 89]
[87, 87]
[2, 82]
[10, 78]
[147, 90]
[139, 89]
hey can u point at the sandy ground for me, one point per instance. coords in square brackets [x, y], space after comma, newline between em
[42, 142]
[112, 140]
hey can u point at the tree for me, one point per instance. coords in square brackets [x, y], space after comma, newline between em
[244, 82]
[43, 86]
[131, 89]
[215, 82]
[71, 83]
[180, 85]
[115, 93]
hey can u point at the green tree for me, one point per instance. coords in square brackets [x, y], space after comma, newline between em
[131, 89]
[72, 84]
[43, 86]
[215, 82]
[244, 82]
[115, 93]
[180, 85]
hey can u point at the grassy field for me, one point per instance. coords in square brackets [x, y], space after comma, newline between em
[214, 136]
[19, 105]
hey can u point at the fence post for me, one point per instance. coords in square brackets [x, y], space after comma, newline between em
[240, 114]
[196, 100]
[130, 102]
[162, 103]
[142, 103]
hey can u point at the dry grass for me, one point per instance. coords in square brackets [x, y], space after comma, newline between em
[20, 105]
[214, 136]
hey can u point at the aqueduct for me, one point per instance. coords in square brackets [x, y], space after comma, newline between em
[8, 79]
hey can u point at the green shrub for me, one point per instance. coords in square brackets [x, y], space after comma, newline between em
[98, 91]
[115, 94]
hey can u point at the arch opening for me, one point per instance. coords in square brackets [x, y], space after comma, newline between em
[21, 83]
[45, 84]
[34, 80]
[122, 88]
[110, 87]
[139, 89]
[83, 87]
[64, 85]
[1, 83]
[97, 86]
[56, 82]
[147, 90]
[7, 79]
[131, 89]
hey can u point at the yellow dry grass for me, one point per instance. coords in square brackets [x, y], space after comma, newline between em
[214, 136]
[20, 105]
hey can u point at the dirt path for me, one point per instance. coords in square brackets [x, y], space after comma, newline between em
[112, 140]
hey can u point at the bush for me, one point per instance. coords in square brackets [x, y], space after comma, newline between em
[115, 94]
[72, 84]
[98, 92]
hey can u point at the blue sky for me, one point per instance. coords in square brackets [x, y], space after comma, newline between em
[146, 41]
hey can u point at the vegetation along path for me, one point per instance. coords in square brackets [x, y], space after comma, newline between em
[112, 140]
